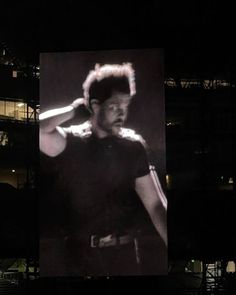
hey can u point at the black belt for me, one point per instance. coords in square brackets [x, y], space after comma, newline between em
[110, 240]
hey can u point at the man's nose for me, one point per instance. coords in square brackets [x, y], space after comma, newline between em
[122, 111]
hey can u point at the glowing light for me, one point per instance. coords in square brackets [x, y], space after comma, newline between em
[231, 180]
[20, 104]
[230, 267]
[13, 170]
[168, 179]
[173, 123]
[14, 74]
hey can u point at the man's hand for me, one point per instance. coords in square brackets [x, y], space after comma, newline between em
[77, 102]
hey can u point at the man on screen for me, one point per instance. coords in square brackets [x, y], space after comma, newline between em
[104, 176]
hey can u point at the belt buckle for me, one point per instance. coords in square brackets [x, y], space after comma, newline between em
[94, 241]
[106, 241]
[101, 242]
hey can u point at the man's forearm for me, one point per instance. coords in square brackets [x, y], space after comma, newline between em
[159, 218]
[51, 119]
[151, 198]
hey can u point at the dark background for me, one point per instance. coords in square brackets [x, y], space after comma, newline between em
[198, 42]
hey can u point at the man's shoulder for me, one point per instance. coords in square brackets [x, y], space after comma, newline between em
[82, 131]
[130, 135]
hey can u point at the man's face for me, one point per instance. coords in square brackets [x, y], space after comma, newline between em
[113, 113]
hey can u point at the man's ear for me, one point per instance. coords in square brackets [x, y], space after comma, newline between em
[95, 105]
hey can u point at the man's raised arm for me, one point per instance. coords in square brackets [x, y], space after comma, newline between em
[52, 138]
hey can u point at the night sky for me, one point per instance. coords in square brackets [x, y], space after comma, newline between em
[30, 27]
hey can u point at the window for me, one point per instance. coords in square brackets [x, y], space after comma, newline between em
[15, 110]
[3, 138]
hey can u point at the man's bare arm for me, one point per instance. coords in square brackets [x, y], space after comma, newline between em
[153, 202]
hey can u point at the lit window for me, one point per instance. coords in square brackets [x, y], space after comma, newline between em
[3, 138]
[14, 74]
[231, 180]
[16, 110]
[230, 266]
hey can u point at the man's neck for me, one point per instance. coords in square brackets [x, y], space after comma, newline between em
[99, 132]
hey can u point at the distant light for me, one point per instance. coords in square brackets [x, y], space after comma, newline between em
[231, 180]
[230, 267]
[222, 177]
[13, 170]
[173, 123]
[20, 104]
[168, 180]
[192, 260]
[14, 74]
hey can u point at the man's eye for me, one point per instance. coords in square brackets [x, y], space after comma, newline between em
[113, 107]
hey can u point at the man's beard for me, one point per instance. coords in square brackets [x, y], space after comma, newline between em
[112, 128]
